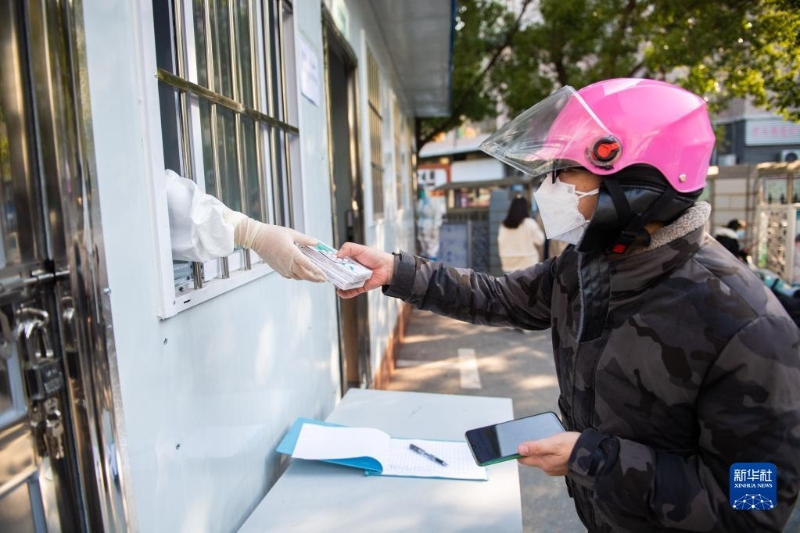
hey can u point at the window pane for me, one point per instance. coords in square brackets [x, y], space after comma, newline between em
[774, 190]
[209, 177]
[375, 133]
[245, 53]
[221, 43]
[279, 172]
[274, 63]
[398, 156]
[170, 128]
[199, 17]
[226, 154]
[255, 202]
[164, 34]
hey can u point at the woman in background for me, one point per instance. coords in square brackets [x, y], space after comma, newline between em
[732, 236]
[519, 237]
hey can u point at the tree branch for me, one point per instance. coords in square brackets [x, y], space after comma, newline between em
[632, 72]
[624, 23]
[455, 113]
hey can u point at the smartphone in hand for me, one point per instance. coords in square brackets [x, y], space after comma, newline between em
[499, 442]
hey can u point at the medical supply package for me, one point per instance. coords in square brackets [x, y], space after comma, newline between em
[343, 272]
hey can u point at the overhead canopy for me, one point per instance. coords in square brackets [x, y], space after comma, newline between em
[419, 36]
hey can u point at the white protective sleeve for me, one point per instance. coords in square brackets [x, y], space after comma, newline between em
[200, 225]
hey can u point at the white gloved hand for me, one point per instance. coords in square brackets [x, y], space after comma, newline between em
[276, 246]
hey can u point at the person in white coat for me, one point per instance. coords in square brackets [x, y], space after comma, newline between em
[518, 237]
[203, 228]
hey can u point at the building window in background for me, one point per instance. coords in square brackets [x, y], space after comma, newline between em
[375, 134]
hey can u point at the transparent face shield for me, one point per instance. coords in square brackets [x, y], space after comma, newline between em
[556, 133]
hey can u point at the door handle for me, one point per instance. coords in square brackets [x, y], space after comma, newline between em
[36, 323]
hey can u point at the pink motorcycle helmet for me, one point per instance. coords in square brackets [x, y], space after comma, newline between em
[611, 125]
[650, 141]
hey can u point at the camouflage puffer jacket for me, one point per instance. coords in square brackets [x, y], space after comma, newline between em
[674, 362]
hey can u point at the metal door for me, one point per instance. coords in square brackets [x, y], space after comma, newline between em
[50, 466]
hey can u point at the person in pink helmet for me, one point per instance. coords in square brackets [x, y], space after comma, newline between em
[678, 370]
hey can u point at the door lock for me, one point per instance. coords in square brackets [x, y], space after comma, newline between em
[48, 426]
[43, 373]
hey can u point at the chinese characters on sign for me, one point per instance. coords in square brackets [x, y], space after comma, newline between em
[773, 131]
[745, 475]
[753, 486]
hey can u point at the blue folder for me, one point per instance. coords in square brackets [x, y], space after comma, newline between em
[368, 464]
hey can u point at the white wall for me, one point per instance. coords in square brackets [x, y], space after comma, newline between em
[208, 393]
[395, 231]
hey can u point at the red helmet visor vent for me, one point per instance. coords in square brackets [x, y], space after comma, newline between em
[604, 152]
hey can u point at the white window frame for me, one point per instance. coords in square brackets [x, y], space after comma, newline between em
[173, 301]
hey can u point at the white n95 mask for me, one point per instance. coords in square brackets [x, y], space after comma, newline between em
[558, 204]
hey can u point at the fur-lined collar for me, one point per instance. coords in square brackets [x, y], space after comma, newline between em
[693, 218]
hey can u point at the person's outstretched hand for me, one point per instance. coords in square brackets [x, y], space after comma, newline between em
[276, 246]
[380, 262]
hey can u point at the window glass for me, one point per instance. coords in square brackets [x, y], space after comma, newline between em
[774, 190]
[200, 41]
[253, 194]
[220, 134]
[244, 62]
[226, 155]
[221, 46]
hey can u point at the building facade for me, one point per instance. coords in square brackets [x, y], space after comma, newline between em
[146, 394]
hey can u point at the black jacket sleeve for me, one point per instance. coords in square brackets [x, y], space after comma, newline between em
[520, 299]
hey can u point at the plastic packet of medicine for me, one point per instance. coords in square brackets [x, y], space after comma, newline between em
[343, 272]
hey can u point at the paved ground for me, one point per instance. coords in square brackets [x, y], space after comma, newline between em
[507, 363]
[510, 364]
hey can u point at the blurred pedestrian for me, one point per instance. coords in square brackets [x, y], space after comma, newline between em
[518, 237]
[430, 212]
[732, 237]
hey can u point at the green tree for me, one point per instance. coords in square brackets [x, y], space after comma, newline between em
[484, 31]
[720, 50]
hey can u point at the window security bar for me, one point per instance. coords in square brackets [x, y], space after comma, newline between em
[216, 98]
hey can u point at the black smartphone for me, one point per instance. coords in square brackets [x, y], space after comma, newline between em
[498, 443]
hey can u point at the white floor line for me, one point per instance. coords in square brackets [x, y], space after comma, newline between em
[470, 378]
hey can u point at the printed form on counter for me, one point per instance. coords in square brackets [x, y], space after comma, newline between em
[343, 272]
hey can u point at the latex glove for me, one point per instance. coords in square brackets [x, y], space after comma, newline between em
[276, 246]
[380, 262]
[550, 454]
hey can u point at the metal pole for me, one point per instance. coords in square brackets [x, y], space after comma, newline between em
[284, 116]
[238, 95]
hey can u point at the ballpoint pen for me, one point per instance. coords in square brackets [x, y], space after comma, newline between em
[416, 449]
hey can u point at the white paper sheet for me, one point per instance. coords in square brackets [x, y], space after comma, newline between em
[401, 461]
[326, 442]
[397, 459]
